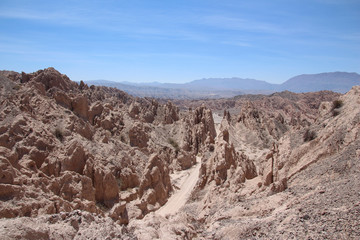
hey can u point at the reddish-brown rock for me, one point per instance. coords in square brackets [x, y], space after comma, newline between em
[80, 106]
[76, 158]
[106, 187]
[119, 213]
[155, 185]
[138, 135]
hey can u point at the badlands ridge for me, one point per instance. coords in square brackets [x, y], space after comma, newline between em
[91, 162]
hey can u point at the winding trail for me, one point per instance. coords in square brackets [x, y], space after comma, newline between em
[187, 181]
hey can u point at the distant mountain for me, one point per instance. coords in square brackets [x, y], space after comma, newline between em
[229, 87]
[334, 81]
[142, 90]
[231, 83]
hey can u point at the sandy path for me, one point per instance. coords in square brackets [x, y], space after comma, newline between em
[179, 198]
[217, 121]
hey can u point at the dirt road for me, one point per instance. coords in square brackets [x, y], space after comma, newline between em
[178, 199]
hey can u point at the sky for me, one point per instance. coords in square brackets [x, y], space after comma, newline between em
[180, 41]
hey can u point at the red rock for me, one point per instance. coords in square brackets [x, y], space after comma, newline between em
[80, 106]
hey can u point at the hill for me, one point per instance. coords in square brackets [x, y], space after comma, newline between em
[84, 162]
[335, 81]
[229, 87]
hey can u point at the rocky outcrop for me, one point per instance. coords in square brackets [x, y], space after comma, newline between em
[128, 179]
[65, 225]
[138, 135]
[119, 213]
[106, 187]
[71, 186]
[50, 78]
[155, 185]
[80, 106]
[199, 129]
[268, 126]
[76, 160]
[66, 147]
[63, 99]
[171, 113]
[185, 160]
[225, 164]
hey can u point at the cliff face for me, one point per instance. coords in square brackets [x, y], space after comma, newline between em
[90, 160]
[69, 146]
[302, 158]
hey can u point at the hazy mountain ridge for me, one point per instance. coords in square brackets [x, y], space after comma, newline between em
[228, 87]
[141, 90]
[335, 81]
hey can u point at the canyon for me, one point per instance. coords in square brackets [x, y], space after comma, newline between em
[93, 162]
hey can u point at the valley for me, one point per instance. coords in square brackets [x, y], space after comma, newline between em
[81, 161]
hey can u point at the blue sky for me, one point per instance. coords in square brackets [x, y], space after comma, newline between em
[180, 41]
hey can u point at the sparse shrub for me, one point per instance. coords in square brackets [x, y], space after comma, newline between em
[309, 135]
[174, 144]
[335, 112]
[255, 114]
[337, 104]
[59, 134]
[123, 139]
[102, 206]
[335, 107]
[17, 87]
[211, 148]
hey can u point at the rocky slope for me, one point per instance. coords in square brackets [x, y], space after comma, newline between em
[307, 187]
[84, 162]
[67, 146]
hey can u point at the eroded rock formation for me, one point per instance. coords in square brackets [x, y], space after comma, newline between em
[90, 160]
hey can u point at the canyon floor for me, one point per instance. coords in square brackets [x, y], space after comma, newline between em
[92, 162]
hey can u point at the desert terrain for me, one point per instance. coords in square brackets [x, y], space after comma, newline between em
[93, 162]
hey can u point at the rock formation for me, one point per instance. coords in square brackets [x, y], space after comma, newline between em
[88, 161]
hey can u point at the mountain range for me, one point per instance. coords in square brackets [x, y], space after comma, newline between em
[228, 87]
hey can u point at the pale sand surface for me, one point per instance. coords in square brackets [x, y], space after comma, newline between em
[186, 181]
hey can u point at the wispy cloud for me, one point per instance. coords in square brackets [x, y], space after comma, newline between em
[139, 26]
[22, 14]
[241, 24]
[157, 55]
